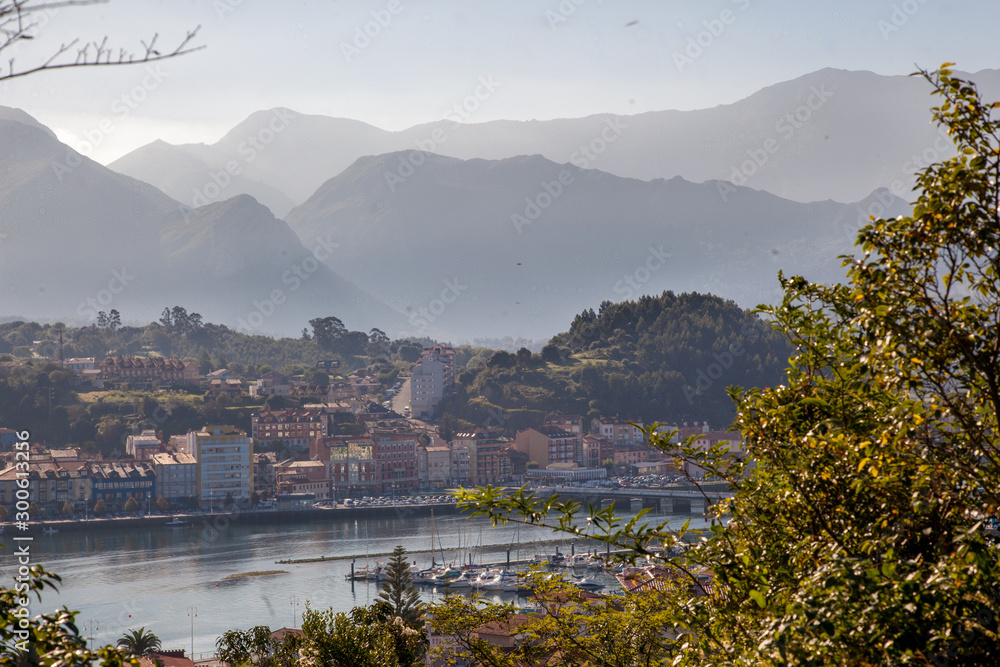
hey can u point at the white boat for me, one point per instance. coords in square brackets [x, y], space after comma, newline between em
[503, 581]
[175, 522]
[49, 531]
[463, 581]
[588, 584]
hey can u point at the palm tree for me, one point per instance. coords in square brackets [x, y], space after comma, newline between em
[139, 642]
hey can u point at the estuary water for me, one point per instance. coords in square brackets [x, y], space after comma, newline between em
[154, 578]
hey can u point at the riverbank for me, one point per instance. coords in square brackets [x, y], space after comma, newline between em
[251, 517]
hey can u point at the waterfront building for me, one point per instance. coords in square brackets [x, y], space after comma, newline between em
[176, 476]
[548, 444]
[115, 482]
[351, 465]
[395, 454]
[488, 464]
[434, 466]
[224, 455]
[50, 485]
[596, 450]
[566, 473]
[461, 468]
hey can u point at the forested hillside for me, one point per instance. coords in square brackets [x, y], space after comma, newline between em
[657, 358]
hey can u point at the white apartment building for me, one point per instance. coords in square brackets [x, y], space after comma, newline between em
[225, 464]
[432, 378]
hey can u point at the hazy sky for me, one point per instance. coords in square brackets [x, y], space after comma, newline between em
[396, 63]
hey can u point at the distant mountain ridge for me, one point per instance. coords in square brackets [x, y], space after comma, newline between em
[830, 134]
[522, 244]
[77, 238]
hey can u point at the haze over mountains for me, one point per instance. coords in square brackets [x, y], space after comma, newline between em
[493, 229]
[77, 238]
[831, 134]
[478, 244]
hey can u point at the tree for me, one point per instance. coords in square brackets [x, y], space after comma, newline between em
[257, 647]
[100, 508]
[859, 531]
[131, 505]
[571, 630]
[139, 642]
[3, 513]
[367, 637]
[399, 590]
[34, 510]
[162, 504]
[327, 332]
[53, 635]
[114, 320]
[67, 509]
[21, 20]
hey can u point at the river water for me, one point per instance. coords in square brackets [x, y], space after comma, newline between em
[125, 579]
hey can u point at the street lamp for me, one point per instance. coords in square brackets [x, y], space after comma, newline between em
[294, 602]
[92, 626]
[193, 613]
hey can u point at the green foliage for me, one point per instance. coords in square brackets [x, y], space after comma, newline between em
[399, 591]
[572, 629]
[139, 642]
[257, 647]
[162, 504]
[862, 526]
[100, 508]
[67, 509]
[48, 639]
[657, 357]
[131, 505]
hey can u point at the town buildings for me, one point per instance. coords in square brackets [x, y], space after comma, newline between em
[294, 427]
[148, 371]
[432, 379]
[224, 455]
[142, 447]
[176, 477]
[488, 462]
[548, 444]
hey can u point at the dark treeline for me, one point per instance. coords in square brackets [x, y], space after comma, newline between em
[669, 357]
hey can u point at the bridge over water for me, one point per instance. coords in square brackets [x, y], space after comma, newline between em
[666, 500]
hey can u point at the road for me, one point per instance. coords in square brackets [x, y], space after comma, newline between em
[402, 400]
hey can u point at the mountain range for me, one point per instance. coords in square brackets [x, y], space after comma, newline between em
[830, 134]
[461, 230]
[77, 238]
